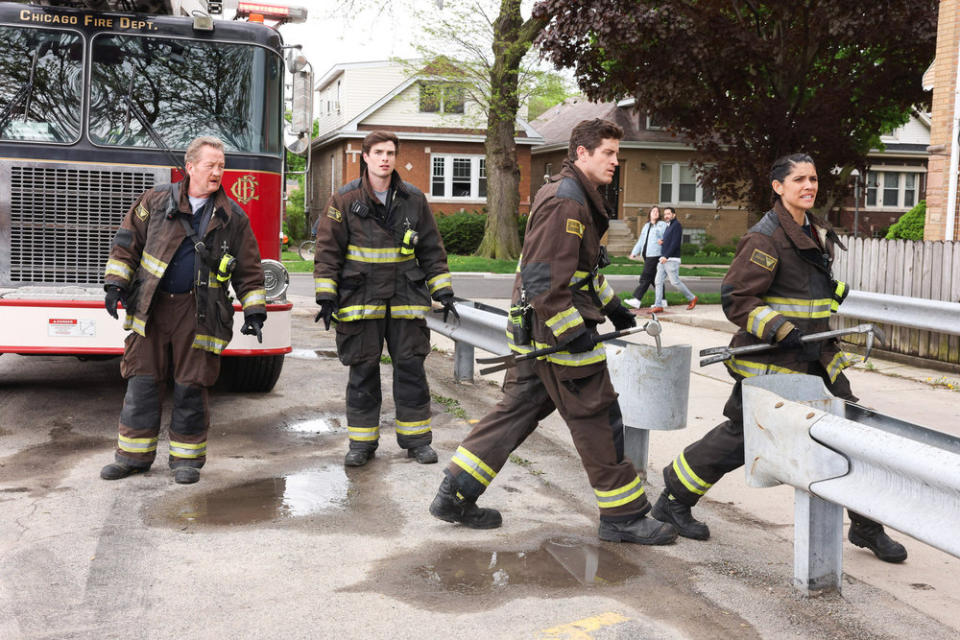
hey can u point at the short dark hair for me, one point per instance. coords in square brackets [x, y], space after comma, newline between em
[782, 166]
[376, 137]
[590, 133]
[669, 208]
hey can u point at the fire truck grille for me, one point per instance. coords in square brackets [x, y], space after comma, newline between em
[62, 221]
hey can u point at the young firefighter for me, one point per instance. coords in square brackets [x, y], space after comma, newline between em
[378, 260]
[559, 281]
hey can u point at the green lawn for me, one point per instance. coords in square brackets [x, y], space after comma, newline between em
[620, 266]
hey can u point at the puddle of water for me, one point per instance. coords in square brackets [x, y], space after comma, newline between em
[558, 563]
[312, 354]
[315, 425]
[268, 499]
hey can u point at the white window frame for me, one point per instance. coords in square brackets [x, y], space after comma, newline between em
[902, 172]
[477, 164]
[674, 183]
[653, 127]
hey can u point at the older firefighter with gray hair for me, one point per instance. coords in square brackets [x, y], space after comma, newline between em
[173, 287]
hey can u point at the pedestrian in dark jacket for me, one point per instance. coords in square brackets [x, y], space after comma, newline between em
[559, 289]
[177, 306]
[669, 267]
[378, 260]
[778, 288]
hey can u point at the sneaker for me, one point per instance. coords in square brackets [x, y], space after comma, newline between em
[642, 530]
[450, 506]
[424, 454]
[118, 470]
[633, 302]
[693, 303]
[186, 475]
[678, 514]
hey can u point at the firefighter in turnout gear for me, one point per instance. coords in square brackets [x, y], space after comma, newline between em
[559, 298]
[178, 308]
[778, 288]
[378, 260]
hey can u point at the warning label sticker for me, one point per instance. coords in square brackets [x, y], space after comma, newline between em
[71, 328]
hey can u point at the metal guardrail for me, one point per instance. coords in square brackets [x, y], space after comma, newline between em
[903, 311]
[480, 325]
[838, 454]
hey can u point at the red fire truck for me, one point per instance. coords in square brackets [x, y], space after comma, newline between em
[88, 101]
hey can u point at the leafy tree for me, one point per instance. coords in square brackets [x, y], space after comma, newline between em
[748, 81]
[486, 52]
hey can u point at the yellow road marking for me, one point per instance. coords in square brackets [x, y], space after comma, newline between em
[580, 629]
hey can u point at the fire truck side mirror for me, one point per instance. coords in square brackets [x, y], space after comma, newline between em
[301, 109]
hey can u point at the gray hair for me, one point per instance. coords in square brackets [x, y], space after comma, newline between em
[193, 149]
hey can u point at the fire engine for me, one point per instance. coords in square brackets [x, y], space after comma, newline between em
[98, 106]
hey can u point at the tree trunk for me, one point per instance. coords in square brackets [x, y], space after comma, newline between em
[512, 39]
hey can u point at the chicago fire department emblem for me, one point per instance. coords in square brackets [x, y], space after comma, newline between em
[245, 189]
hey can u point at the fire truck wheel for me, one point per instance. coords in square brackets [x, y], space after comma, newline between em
[255, 374]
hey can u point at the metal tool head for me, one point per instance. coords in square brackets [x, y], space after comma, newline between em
[654, 329]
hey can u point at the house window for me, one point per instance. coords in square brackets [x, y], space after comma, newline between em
[441, 97]
[891, 189]
[655, 124]
[680, 184]
[458, 176]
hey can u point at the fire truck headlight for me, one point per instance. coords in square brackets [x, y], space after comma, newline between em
[275, 279]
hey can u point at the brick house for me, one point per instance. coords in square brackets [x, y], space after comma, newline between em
[654, 170]
[441, 134]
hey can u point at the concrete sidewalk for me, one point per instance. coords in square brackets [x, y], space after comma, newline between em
[742, 518]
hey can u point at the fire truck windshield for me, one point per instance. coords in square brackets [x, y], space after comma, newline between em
[40, 98]
[184, 89]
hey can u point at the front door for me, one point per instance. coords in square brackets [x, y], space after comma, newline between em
[611, 195]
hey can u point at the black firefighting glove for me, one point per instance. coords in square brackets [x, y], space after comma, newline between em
[253, 325]
[622, 318]
[581, 342]
[446, 299]
[325, 313]
[809, 351]
[114, 294]
[840, 291]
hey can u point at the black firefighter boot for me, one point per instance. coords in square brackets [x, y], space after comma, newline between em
[869, 534]
[642, 530]
[672, 511]
[358, 455]
[450, 506]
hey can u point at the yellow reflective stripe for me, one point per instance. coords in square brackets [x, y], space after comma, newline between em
[688, 478]
[209, 343]
[188, 449]
[137, 445]
[604, 291]
[620, 496]
[567, 359]
[408, 311]
[439, 282]
[212, 280]
[363, 434]
[325, 285]
[564, 321]
[526, 348]
[841, 361]
[376, 255]
[758, 319]
[119, 269]
[748, 369]
[838, 293]
[152, 265]
[135, 324]
[361, 312]
[474, 466]
[800, 308]
[413, 428]
[254, 298]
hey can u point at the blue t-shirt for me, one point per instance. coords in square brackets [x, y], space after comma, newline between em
[178, 278]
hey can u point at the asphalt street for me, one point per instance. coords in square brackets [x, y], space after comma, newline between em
[278, 540]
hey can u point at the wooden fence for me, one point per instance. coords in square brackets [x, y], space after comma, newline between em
[928, 270]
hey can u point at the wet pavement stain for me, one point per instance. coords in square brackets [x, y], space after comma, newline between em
[558, 563]
[295, 495]
[314, 426]
[46, 462]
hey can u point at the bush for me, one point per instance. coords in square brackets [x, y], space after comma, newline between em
[689, 249]
[293, 224]
[462, 231]
[522, 225]
[910, 224]
[711, 249]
